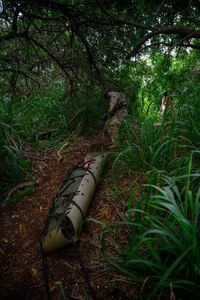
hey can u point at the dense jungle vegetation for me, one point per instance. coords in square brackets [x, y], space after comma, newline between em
[56, 59]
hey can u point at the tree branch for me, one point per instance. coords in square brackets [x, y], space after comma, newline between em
[11, 36]
[171, 45]
[49, 53]
[182, 31]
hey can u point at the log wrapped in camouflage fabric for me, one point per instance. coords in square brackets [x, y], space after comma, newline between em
[71, 202]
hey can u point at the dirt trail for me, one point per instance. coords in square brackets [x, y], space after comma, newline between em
[22, 271]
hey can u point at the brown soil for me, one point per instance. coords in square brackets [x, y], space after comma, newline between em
[22, 269]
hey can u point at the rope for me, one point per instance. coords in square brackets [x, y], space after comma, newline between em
[45, 272]
[79, 256]
[85, 274]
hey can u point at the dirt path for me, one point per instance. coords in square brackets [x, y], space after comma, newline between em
[22, 271]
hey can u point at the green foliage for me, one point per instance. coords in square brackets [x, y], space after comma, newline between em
[163, 253]
[14, 167]
[164, 241]
[45, 121]
[151, 142]
[54, 67]
[150, 146]
[19, 195]
[177, 75]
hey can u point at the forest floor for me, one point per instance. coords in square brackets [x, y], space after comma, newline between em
[22, 269]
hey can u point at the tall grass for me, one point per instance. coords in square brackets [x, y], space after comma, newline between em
[149, 146]
[162, 145]
[45, 121]
[164, 241]
[164, 244]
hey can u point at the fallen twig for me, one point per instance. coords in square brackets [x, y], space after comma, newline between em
[60, 150]
[119, 214]
[16, 188]
[74, 292]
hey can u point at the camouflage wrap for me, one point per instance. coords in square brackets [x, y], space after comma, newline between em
[70, 205]
[118, 107]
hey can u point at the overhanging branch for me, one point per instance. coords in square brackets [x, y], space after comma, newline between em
[182, 31]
